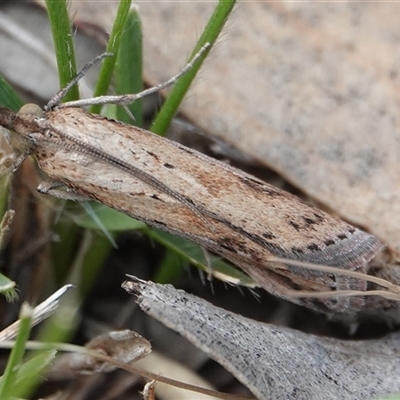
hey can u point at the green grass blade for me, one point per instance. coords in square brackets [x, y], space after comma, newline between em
[29, 374]
[112, 220]
[210, 35]
[15, 358]
[9, 97]
[128, 69]
[64, 249]
[171, 267]
[108, 64]
[63, 43]
[92, 260]
[193, 253]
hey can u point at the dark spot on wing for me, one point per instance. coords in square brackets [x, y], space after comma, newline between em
[152, 154]
[295, 225]
[296, 250]
[309, 221]
[318, 217]
[230, 244]
[313, 247]
[260, 186]
[230, 249]
[268, 235]
[158, 223]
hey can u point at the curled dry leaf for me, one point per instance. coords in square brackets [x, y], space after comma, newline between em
[275, 362]
[124, 346]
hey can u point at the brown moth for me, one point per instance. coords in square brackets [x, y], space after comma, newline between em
[182, 191]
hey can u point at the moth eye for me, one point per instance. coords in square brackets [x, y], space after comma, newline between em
[31, 109]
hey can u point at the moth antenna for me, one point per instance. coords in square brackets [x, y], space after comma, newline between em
[341, 293]
[56, 99]
[126, 99]
[338, 271]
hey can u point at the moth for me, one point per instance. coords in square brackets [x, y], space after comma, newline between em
[186, 193]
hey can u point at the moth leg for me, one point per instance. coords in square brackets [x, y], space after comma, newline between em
[210, 269]
[19, 160]
[10, 161]
[10, 164]
[60, 191]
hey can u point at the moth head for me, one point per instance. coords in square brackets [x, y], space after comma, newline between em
[31, 109]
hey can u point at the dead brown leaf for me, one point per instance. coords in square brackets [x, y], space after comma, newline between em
[124, 346]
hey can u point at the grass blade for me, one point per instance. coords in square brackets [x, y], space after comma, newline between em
[10, 373]
[190, 252]
[62, 37]
[29, 374]
[9, 97]
[179, 90]
[108, 64]
[128, 69]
